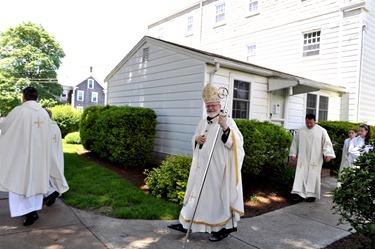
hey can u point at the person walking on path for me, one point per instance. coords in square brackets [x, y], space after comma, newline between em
[57, 182]
[311, 147]
[221, 201]
[25, 157]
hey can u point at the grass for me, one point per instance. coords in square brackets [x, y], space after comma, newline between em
[96, 188]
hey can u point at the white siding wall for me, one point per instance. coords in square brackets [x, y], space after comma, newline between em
[366, 104]
[170, 83]
[277, 32]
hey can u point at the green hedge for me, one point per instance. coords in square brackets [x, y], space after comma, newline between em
[66, 117]
[73, 138]
[124, 135]
[87, 125]
[170, 179]
[266, 146]
[338, 132]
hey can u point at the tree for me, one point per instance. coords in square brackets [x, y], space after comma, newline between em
[30, 55]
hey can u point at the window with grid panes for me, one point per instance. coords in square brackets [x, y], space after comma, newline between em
[220, 13]
[311, 44]
[241, 99]
[190, 24]
[323, 108]
[317, 105]
[311, 104]
[253, 6]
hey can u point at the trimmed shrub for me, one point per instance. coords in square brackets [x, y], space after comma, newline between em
[73, 138]
[354, 200]
[66, 117]
[170, 179]
[338, 132]
[87, 126]
[124, 135]
[266, 146]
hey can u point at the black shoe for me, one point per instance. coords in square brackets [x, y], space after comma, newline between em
[296, 198]
[178, 227]
[310, 199]
[52, 198]
[222, 234]
[30, 218]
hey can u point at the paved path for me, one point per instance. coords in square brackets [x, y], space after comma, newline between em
[304, 225]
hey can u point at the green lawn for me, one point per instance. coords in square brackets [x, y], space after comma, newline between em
[96, 188]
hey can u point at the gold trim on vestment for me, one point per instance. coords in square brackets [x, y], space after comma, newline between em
[235, 155]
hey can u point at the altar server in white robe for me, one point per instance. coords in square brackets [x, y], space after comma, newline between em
[310, 147]
[25, 144]
[57, 182]
[359, 144]
[221, 202]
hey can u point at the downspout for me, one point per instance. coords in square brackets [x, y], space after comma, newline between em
[201, 23]
[360, 69]
[217, 67]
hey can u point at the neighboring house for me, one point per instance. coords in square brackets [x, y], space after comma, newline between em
[87, 93]
[169, 78]
[66, 96]
[331, 41]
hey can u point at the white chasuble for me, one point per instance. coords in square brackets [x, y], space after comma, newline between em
[57, 178]
[221, 201]
[309, 146]
[25, 144]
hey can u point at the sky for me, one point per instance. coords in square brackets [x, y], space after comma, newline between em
[92, 33]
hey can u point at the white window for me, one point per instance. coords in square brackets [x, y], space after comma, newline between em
[318, 105]
[90, 84]
[80, 95]
[241, 99]
[253, 6]
[64, 94]
[220, 13]
[94, 97]
[80, 108]
[189, 27]
[311, 43]
[251, 51]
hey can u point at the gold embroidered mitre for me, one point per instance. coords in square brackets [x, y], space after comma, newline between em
[210, 94]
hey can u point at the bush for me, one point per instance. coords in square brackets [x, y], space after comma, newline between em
[355, 199]
[266, 146]
[170, 179]
[66, 117]
[87, 126]
[124, 135]
[338, 132]
[73, 138]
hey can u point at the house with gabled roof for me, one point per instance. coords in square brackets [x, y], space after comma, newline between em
[169, 77]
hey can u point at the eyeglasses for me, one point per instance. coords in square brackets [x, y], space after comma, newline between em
[211, 106]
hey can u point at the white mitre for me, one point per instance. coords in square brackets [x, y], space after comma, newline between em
[210, 94]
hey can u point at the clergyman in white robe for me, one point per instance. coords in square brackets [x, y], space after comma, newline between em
[309, 146]
[25, 157]
[57, 182]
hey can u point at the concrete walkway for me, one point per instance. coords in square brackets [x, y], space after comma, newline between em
[304, 225]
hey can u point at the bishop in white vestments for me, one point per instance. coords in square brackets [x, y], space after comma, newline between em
[25, 144]
[310, 147]
[221, 202]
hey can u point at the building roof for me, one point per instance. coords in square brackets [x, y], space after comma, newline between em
[230, 63]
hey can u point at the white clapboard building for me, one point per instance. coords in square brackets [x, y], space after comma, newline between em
[331, 41]
[169, 78]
